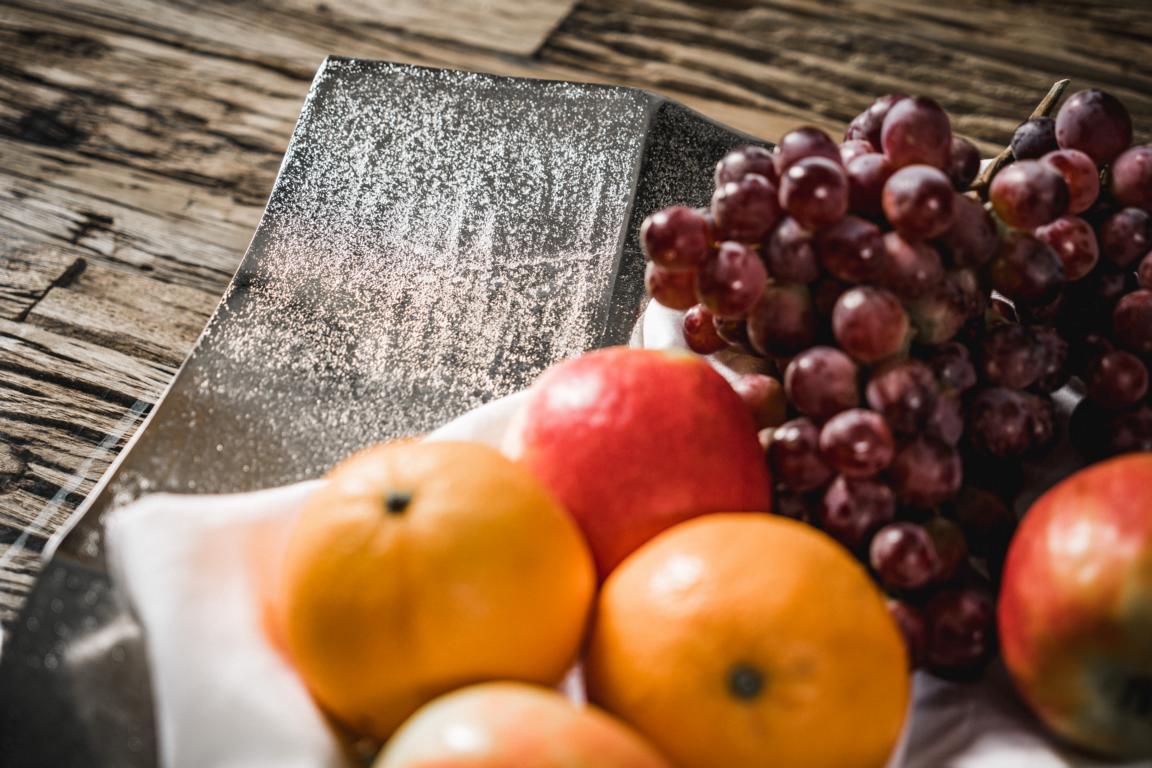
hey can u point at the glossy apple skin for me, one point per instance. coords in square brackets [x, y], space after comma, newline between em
[634, 441]
[1075, 609]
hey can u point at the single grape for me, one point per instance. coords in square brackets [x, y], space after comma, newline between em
[869, 123]
[852, 510]
[1132, 177]
[1042, 416]
[940, 315]
[970, 289]
[869, 324]
[918, 202]
[675, 289]
[856, 443]
[951, 546]
[733, 330]
[742, 161]
[909, 269]
[822, 381]
[764, 397]
[961, 633]
[917, 130]
[794, 456]
[946, 422]
[1129, 432]
[803, 142]
[1074, 242]
[867, 175]
[853, 148]
[1080, 176]
[731, 280]
[851, 250]
[1117, 380]
[1096, 123]
[953, 367]
[1027, 270]
[904, 392]
[790, 253]
[1053, 352]
[963, 163]
[914, 629]
[1083, 349]
[903, 556]
[1000, 422]
[782, 322]
[971, 239]
[1034, 138]
[676, 238]
[926, 472]
[1126, 236]
[1144, 271]
[814, 191]
[700, 333]
[1028, 194]
[791, 504]
[746, 210]
[1132, 322]
[1010, 356]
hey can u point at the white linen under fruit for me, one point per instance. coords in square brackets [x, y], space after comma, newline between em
[225, 697]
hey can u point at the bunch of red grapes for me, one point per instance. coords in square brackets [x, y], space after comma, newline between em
[914, 332]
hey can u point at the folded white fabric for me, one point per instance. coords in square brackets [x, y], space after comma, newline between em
[225, 697]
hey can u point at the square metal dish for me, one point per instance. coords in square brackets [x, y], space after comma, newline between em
[433, 241]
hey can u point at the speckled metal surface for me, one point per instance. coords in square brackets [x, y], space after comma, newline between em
[434, 240]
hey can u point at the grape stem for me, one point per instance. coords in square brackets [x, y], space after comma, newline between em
[1043, 109]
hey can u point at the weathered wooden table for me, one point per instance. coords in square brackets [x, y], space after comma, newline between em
[138, 140]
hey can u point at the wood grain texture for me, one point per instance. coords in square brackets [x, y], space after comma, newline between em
[139, 139]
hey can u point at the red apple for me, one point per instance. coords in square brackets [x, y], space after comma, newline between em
[634, 441]
[1076, 607]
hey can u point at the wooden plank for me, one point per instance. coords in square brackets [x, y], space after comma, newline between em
[28, 271]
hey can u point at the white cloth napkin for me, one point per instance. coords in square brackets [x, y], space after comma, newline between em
[226, 698]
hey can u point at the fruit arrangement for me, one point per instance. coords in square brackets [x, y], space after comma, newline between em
[915, 317]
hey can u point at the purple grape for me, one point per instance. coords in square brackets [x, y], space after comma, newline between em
[1027, 270]
[971, 239]
[914, 629]
[918, 202]
[733, 330]
[746, 210]
[821, 382]
[926, 472]
[904, 392]
[917, 131]
[1132, 177]
[742, 161]
[1095, 123]
[731, 280]
[1080, 176]
[985, 520]
[1095, 296]
[791, 504]
[1074, 242]
[675, 289]
[856, 443]
[972, 292]
[700, 332]
[676, 238]
[782, 322]
[803, 142]
[1126, 236]
[869, 123]
[1144, 271]
[909, 269]
[1129, 432]
[903, 557]
[941, 314]
[764, 397]
[794, 456]
[791, 254]
[854, 148]
[961, 633]
[867, 175]
[946, 422]
[851, 250]
[950, 544]
[1117, 380]
[1132, 322]
[825, 293]
[869, 324]
[1010, 356]
[1053, 353]
[1000, 422]
[1028, 194]
[963, 163]
[852, 510]
[814, 191]
[1034, 138]
[953, 367]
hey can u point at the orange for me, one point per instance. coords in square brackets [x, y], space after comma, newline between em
[749, 640]
[421, 567]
